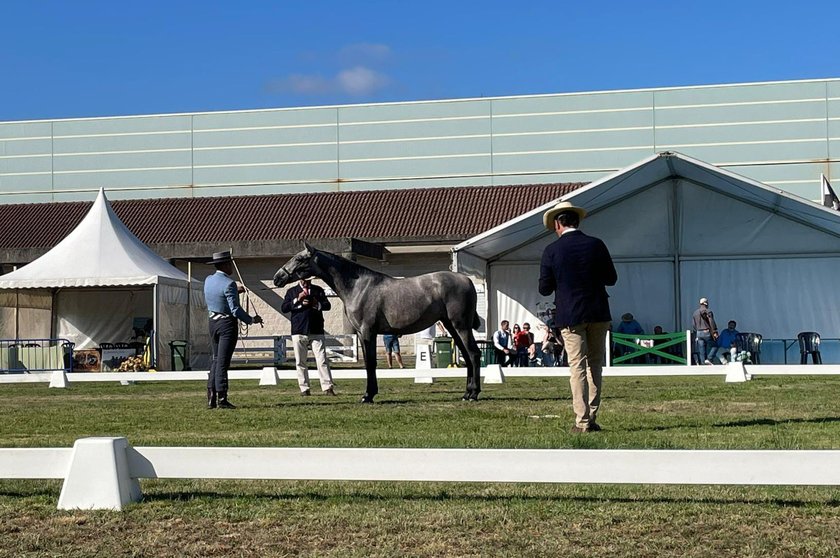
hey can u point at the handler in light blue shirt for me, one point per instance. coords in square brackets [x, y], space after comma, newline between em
[222, 297]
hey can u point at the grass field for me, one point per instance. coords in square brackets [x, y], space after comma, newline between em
[274, 518]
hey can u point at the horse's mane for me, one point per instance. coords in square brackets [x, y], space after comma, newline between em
[348, 268]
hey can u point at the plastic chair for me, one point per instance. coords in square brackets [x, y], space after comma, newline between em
[809, 343]
[750, 342]
[106, 346]
[122, 345]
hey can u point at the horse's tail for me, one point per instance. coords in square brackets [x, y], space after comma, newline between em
[476, 321]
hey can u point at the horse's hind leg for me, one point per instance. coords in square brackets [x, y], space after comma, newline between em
[472, 354]
[369, 354]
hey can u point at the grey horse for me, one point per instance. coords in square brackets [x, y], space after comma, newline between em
[377, 303]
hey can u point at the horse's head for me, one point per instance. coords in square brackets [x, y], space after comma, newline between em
[300, 266]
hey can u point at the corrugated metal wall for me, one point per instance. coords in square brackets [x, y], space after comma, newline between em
[783, 134]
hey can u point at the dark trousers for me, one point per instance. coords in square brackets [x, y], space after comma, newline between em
[224, 333]
[502, 359]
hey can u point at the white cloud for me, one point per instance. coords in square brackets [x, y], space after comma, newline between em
[361, 80]
[356, 77]
[357, 81]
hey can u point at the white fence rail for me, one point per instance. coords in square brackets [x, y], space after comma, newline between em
[733, 372]
[103, 473]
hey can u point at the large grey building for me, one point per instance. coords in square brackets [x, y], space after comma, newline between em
[784, 134]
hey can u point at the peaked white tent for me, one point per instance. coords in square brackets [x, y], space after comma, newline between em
[95, 284]
[679, 229]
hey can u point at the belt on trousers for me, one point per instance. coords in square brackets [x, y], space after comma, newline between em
[218, 316]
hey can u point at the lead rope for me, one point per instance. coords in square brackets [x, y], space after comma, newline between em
[243, 327]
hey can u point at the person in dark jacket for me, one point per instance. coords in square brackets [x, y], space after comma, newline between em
[307, 303]
[577, 268]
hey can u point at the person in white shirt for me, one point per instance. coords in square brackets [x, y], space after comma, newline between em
[503, 343]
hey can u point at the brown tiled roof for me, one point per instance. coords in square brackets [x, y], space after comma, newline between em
[408, 214]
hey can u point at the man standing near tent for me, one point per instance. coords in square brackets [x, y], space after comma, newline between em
[222, 297]
[577, 268]
[705, 332]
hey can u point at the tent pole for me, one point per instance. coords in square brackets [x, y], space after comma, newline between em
[676, 240]
[189, 307]
[153, 346]
[17, 314]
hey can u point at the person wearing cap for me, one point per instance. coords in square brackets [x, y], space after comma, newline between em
[705, 332]
[222, 296]
[578, 268]
[628, 326]
[306, 303]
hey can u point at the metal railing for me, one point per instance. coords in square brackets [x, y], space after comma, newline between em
[786, 351]
[276, 350]
[22, 356]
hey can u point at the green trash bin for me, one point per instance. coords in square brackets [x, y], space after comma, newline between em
[180, 355]
[443, 351]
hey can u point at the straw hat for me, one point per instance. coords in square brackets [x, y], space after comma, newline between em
[548, 216]
[220, 257]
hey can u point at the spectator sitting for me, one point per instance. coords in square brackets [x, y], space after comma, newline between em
[628, 326]
[726, 340]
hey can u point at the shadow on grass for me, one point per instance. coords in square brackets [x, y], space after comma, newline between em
[774, 422]
[737, 424]
[447, 497]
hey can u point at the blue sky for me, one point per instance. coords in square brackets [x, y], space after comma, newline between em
[64, 59]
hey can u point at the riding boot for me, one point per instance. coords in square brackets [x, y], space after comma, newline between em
[211, 398]
[223, 401]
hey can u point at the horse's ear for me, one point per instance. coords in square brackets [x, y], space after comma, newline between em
[308, 247]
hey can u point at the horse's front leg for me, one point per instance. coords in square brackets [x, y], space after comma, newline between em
[472, 354]
[369, 353]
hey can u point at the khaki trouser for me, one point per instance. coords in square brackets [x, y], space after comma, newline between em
[585, 347]
[301, 344]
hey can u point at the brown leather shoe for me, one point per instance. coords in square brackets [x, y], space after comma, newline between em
[305, 393]
[330, 391]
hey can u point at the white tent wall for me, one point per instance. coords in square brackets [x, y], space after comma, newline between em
[80, 317]
[715, 224]
[25, 314]
[776, 297]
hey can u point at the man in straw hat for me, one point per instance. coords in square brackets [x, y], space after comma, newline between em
[577, 268]
[222, 297]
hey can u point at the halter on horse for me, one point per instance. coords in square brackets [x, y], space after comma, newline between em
[377, 303]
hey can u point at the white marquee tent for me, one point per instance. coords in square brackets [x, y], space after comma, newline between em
[680, 229]
[96, 285]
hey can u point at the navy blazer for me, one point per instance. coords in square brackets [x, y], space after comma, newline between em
[577, 268]
[306, 319]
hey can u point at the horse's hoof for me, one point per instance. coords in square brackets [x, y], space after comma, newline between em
[470, 396]
[366, 399]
